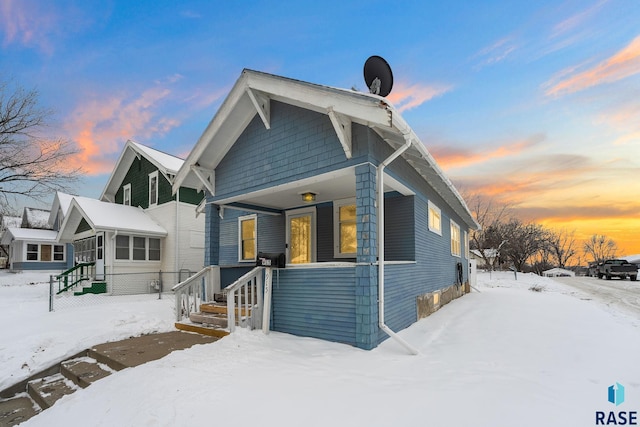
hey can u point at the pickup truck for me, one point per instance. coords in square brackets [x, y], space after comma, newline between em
[617, 268]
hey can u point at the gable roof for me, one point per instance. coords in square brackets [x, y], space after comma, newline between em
[35, 218]
[251, 95]
[106, 216]
[167, 164]
[10, 221]
[61, 202]
[28, 235]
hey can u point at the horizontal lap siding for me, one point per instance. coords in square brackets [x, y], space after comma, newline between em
[318, 303]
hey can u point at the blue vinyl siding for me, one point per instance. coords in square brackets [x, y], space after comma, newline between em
[271, 233]
[40, 266]
[318, 303]
[300, 144]
[399, 235]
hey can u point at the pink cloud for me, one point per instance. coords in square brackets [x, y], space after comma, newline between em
[577, 20]
[623, 64]
[407, 96]
[101, 126]
[27, 23]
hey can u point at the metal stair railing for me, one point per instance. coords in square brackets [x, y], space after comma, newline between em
[195, 290]
[246, 292]
[72, 277]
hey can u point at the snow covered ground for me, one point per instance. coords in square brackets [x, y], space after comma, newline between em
[505, 356]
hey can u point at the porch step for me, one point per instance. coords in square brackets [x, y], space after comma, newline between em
[84, 371]
[208, 319]
[95, 288]
[220, 308]
[222, 298]
[17, 410]
[202, 330]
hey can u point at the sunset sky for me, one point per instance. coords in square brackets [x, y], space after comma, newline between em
[536, 103]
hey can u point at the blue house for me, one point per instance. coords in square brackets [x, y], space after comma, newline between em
[373, 234]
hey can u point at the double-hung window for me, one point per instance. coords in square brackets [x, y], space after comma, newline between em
[153, 188]
[344, 228]
[455, 239]
[137, 248]
[247, 242]
[126, 195]
[435, 219]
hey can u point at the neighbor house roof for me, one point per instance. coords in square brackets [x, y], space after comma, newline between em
[28, 235]
[105, 216]
[61, 202]
[167, 164]
[251, 95]
[10, 221]
[35, 218]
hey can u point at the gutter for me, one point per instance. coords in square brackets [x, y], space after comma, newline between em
[380, 201]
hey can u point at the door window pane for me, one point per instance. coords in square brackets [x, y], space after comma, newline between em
[45, 252]
[300, 236]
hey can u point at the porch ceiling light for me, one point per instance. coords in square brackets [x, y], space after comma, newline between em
[308, 197]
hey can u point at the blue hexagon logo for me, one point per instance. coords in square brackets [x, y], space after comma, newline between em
[616, 394]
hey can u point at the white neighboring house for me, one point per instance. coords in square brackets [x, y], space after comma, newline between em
[558, 272]
[490, 254]
[138, 225]
[36, 249]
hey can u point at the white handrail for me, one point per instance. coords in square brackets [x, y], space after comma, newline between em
[248, 291]
[196, 289]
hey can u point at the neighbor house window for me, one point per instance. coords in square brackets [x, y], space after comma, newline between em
[247, 238]
[126, 195]
[45, 253]
[154, 249]
[344, 228]
[153, 188]
[32, 252]
[122, 247]
[435, 219]
[455, 239]
[139, 248]
[135, 248]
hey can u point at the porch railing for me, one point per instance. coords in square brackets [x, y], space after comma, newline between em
[244, 298]
[72, 277]
[195, 290]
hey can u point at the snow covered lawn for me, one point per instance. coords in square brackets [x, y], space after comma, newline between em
[508, 356]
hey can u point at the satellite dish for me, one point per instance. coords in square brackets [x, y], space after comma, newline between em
[378, 76]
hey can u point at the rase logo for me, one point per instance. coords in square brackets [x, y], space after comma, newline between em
[615, 395]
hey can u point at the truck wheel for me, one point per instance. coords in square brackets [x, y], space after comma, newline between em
[599, 276]
[633, 278]
[608, 277]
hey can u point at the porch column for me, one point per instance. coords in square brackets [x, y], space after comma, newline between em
[367, 274]
[212, 236]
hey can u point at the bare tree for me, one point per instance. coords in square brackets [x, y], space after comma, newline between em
[31, 164]
[490, 214]
[562, 246]
[523, 241]
[600, 248]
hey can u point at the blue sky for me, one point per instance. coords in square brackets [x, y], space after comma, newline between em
[534, 103]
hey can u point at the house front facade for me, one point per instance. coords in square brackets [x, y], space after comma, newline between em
[337, 182]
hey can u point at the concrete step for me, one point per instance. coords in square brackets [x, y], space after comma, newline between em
[48, 390]
[17, 409]
[83, 371]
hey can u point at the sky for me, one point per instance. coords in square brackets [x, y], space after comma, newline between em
[486, 359]
[532, 103]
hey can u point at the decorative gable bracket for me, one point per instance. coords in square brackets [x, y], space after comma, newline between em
[262, 104]
[207, 177]
[342, 126]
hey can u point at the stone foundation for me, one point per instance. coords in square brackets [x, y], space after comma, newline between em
[431, 302]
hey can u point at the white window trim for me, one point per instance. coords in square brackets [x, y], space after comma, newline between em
[39, 252]
[431, 206]
[124, 192]
[466, 245]
[452, 225]
[337, 204]
[146, 254]
[152, 175]
[255, 232]
[314, 242]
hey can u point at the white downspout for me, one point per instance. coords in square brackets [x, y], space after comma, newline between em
[380, 194]
[176, 245]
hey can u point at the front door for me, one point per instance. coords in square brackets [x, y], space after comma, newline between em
[301, 236]
[100, 256]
